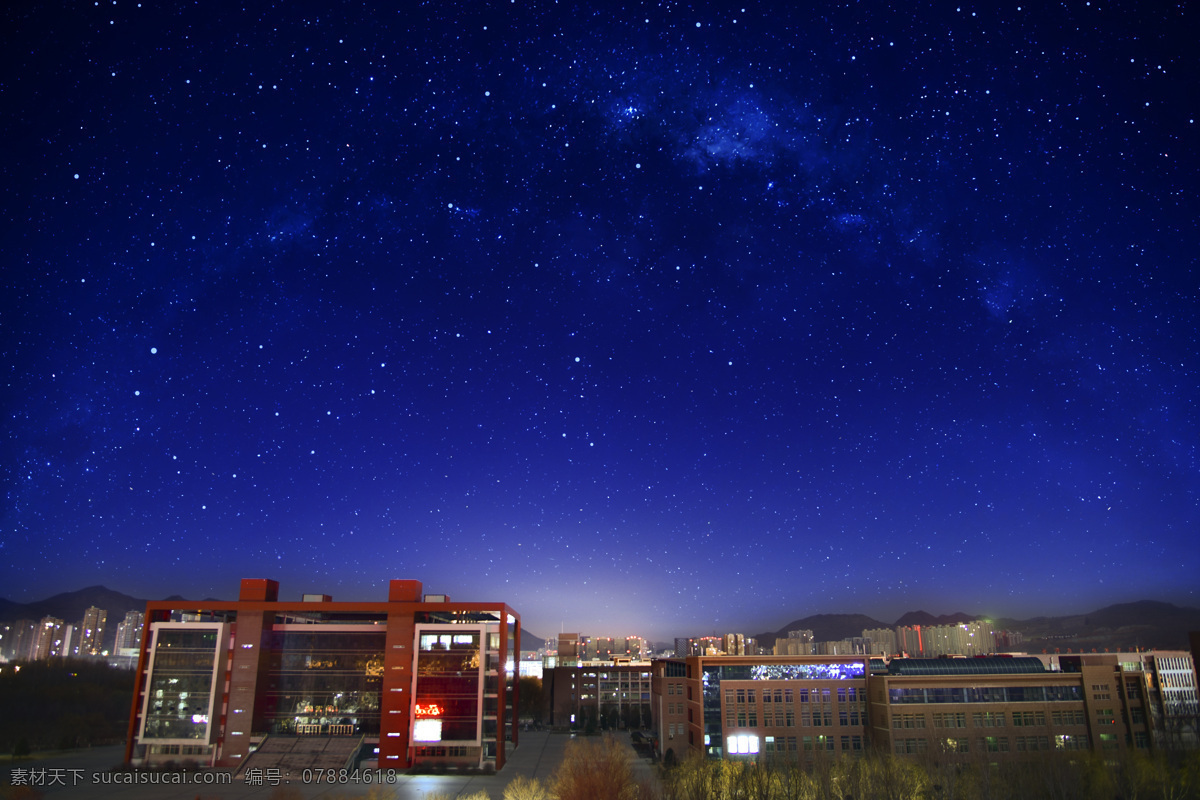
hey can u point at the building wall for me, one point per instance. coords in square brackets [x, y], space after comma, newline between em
[991, 708]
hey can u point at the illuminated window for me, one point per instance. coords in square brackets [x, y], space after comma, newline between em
[743, 744]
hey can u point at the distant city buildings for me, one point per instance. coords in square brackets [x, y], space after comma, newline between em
[978, 637]
[736, 644]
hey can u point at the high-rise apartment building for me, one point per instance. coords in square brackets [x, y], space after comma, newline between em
[24, 640]
[129, 633]
[49, 639]
[91, 632]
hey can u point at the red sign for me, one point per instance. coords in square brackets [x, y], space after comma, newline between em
[426, 710]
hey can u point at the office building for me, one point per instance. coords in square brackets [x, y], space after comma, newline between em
[987, 707]
[259, 681]
[610, 696]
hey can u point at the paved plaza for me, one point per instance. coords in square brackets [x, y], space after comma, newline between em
[82, 775]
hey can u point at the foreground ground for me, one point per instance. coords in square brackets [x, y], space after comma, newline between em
[78, 776]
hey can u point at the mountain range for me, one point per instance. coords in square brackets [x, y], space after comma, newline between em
[1143, 625]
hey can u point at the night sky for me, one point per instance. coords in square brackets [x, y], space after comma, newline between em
[645, 319]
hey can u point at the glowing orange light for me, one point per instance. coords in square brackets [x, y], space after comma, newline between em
[426, 710]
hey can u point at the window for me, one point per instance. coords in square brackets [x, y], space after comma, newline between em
[787, 696]
[1068, 717]
[1108, 741]
[1071, 742]
[950, 720]
[902, 746]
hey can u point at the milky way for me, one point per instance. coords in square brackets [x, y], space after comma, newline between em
[644, 319]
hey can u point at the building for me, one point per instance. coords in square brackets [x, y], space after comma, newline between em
[797, 643]
[608, 648]
[24, 640]
[883, 641]
[48, 639]
[390, 684]
[129, 634]
[91, 632]
[773, 706]
[610, 696]
[801, 707]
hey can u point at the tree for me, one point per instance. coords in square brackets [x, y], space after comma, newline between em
[596, 770]
[533, 698]
[522, 788]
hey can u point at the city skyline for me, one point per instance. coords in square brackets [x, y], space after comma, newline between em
[1109, 620]
[620, 314]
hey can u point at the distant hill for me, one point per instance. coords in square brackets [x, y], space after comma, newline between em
[1126, 626]
[1146, 624]
[69, 606]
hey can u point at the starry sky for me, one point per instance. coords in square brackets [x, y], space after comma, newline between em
[644, 318]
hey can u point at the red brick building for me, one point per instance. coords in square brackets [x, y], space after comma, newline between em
[407, 681]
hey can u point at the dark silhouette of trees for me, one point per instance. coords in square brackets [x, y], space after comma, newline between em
[63, 704]
[1125, 775]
